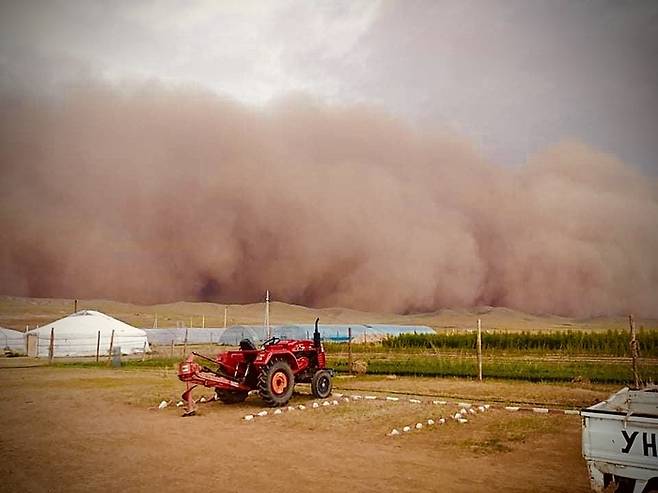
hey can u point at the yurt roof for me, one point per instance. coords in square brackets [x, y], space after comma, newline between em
[88, 321]
[11, 331]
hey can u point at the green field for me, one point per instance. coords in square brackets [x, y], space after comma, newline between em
[517, 368]
[516, 365]
[602, 356]
[608, 343]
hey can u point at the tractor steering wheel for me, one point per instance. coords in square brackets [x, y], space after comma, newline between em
[271, 340]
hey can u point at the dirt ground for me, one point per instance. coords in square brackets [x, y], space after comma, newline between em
[71, 429]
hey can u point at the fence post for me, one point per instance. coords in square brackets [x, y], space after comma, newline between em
[479, 349]
[51, 346]
[109, 351]
[172, 348]
[349, 350]
[185, 343]
[635, 352]
[98, 346]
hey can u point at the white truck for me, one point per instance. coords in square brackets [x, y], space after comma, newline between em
[620, 441]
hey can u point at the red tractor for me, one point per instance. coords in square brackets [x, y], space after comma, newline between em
[273, 370]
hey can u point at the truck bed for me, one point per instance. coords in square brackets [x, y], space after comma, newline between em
[620, 440]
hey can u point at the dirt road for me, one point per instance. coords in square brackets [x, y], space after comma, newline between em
[92, 430]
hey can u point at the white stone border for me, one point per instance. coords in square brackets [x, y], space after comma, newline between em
[466, 408]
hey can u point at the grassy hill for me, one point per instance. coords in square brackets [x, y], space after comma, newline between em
[17, 313]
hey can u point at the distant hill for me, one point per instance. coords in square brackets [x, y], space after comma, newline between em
[17, 312]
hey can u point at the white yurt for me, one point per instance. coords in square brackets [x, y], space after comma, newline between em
[78, 335]
[12, 340]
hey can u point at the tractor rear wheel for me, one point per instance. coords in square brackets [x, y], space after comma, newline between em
[321, 384]
[276, 383]
[230, 396]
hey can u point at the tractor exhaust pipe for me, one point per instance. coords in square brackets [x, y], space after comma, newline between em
[317, 343]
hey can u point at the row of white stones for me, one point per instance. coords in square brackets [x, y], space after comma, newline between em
[299, 407]
[463, 405]
[460, 417]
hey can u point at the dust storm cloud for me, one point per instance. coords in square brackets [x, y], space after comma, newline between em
[149, 194]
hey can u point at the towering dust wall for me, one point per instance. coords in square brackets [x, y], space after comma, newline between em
[150, 195]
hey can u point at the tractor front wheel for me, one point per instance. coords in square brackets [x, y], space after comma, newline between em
[321, 384]
[230, 396]
[276, 383]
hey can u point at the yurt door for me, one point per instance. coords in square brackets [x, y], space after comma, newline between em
[32, 345]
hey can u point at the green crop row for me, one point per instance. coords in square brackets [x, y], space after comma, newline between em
[518, 369]
[610, 342]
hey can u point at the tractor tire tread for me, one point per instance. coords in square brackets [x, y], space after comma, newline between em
[316, 387]
[264, 389]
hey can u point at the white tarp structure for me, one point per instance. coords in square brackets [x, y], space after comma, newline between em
[78, 335]
[13, 340]
[329, 332]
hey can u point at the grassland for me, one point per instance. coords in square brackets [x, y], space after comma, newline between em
[516, 345]
[601, 356]
[520, 368]
[537, 367]
[18, 312]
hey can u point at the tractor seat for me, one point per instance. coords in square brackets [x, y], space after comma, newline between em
[247, 345]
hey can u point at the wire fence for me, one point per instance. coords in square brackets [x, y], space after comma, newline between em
[101, 343]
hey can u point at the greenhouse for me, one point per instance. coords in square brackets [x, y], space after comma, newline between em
[233, 335]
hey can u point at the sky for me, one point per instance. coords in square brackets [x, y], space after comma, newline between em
[513, 76]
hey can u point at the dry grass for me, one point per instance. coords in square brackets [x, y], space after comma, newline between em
[17, 312]
[94, 418]
[559, 395]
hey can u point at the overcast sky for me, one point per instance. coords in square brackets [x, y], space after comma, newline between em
[515, 76]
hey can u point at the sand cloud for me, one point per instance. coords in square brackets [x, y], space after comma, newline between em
[150, 194]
